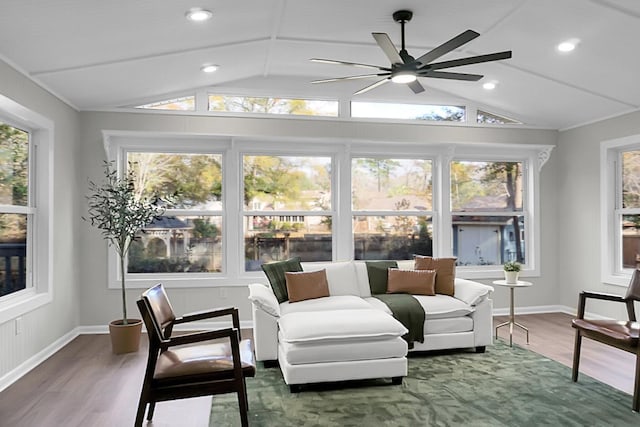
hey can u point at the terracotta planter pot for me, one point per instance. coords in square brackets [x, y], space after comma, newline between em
[125, 338]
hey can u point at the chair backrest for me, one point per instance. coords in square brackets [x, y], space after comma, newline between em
[633, 291]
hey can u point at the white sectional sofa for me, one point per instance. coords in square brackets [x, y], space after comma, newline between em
[352, 335]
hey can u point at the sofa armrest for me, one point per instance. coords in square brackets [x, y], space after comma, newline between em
[471, 292]
[262, 297]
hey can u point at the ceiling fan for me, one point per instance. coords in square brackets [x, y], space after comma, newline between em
[406, 69]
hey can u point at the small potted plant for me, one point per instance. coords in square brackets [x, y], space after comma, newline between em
[511, 271]
[119, 213]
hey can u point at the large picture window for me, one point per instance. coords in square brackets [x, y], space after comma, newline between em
[188, 238]
[16, 214]
[487, 216]
[287, 208]
[392, 207]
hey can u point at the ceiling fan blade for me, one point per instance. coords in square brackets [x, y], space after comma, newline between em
[452, 76]
[362, 76]
[373, 86]
[468, 61]
[415, 86]
[355, 64]
[447, 47]
[387, 46]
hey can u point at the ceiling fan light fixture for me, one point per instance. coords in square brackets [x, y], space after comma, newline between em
[567, 45]
[197, 14]
[405, 77]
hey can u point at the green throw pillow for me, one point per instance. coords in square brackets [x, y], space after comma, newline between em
[378, 275]
[275, 273]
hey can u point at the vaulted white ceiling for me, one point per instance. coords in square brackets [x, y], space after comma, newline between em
[98, 54]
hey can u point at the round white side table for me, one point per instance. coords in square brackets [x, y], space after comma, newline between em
[512, 317]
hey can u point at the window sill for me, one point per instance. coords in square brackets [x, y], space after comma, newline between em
[22, 304]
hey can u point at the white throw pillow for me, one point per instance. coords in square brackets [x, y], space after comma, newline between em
[263, 297]
[340, 275]
[339, 325]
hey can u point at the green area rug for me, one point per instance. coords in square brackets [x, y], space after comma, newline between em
[502, 387]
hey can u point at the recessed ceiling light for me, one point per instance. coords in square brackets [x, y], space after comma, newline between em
[404, 77]
[197, 14]
[567, 45]
[209, 68]
[489, 86]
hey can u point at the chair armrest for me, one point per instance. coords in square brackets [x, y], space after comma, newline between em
[262, 297]
[206, 314]
[199, 337]
[582, 300]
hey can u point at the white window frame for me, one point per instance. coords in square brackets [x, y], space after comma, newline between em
[611, 206]
[234, 148]
[39, 289]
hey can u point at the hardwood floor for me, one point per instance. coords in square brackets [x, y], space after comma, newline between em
[85, 385]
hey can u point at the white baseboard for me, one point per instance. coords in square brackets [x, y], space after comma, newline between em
[26, 366]
[547, 309]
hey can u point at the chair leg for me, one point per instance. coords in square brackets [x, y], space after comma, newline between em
[576, 356]
[142, 405]
[636, 390]
[152, 407]
[243, 404]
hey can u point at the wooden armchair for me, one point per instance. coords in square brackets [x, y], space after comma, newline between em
[190, 365]
[620, 334]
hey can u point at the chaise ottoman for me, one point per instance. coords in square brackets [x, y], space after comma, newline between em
[338, 345]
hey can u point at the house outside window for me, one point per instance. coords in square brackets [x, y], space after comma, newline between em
[487, 212]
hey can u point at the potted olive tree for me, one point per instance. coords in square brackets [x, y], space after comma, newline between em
[119, 213]
[511, 271]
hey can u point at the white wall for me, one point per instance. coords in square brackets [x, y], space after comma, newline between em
[50, 322]
[100, 305]
[578, 210]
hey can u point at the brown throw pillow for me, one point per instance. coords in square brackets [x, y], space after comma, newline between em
[416, 282]
[306, 285]
[445, 272]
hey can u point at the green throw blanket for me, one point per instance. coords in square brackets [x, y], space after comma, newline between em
[408, 311]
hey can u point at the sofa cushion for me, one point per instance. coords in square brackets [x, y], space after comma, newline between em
[341, 276]
[263, 298]
[435, 307]
[378, 275]
[275, 273]
[338, 325]
[302, 353]
[303, 285]
[443, 306]
[445, 272]
[417, 282]
[341, 302]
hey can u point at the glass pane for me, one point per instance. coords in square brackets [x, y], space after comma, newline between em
[392, 237]
[630, 241]
[264, 105]
[631, 179]
[273, 238]
[385, 110]
[178, 244]
[488, 240]
[287, 183]
[391, 184]
[190, 181]
[14, 166]
[486, 186]
[186, 103]
[13, 253]
[492, 118]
